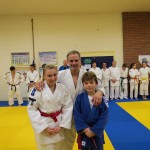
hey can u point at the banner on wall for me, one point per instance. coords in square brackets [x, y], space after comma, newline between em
[145, 58]
[47, 58]
[20, 59]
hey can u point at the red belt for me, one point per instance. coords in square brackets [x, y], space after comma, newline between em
[79, 141]
[52, 115]
[135, 79]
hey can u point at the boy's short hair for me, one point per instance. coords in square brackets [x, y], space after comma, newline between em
[12, 68]
[89, 76]
[124, 65]
[94, 61]
[32, 65]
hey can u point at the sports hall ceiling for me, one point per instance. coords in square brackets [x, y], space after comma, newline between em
[45, 7]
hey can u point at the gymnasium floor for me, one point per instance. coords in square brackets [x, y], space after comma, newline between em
[128, 127]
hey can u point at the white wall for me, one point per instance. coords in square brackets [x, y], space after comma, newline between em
[86, 33]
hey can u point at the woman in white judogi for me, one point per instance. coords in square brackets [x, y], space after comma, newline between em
[32, 77]
[114, 81]
[14, 79]
[134, 81]
[96, 70]
[144, 80]
[105, 80]
[124, 71]
[50, 111]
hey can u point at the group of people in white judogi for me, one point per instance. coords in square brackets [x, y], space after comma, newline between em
[115, 80]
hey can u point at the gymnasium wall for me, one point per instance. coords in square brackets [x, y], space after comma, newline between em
[136, 35]
[88, 33]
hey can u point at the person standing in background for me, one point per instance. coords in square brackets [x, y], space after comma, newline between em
[114, 81]
[124, 71]
[105, 80]
[65, 65]
[13, 79]
[144, 80]
[97, 71]
[83, 67]
[134, 81]
[32, 77]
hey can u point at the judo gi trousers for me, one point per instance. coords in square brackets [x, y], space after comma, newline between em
[144, 88]
[52, 146]
[11, 96]
[124, 90]
[107, 93]
[114, 92]
[133, 87]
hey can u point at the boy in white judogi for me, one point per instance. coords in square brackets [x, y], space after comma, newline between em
[14, 79]
[105, 80]
[50, 111]
[124, 81]
[134, 81]
[32, 77]
[144, 80]
[114, 81]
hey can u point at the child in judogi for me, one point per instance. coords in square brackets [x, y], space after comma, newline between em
[124, 71]
[144, 80]
[50, 111]
[134, 81]
[90, 120]
[32, 77]
[13, 79]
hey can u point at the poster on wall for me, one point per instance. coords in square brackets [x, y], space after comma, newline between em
[20, 59]
[47, 58]
[145, 58]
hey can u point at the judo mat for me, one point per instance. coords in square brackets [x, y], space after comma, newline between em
[16, 131]
[128, 127]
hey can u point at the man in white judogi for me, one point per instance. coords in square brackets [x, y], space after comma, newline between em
[134, 81]
[144, 80]
[124, 81]
[114, 81]
[105, 80]
[32, 77]
[14, 79]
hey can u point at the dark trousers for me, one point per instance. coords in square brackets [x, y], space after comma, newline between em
[99, 148]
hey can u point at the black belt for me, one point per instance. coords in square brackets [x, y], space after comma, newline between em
[122, 78]
[12, 85]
